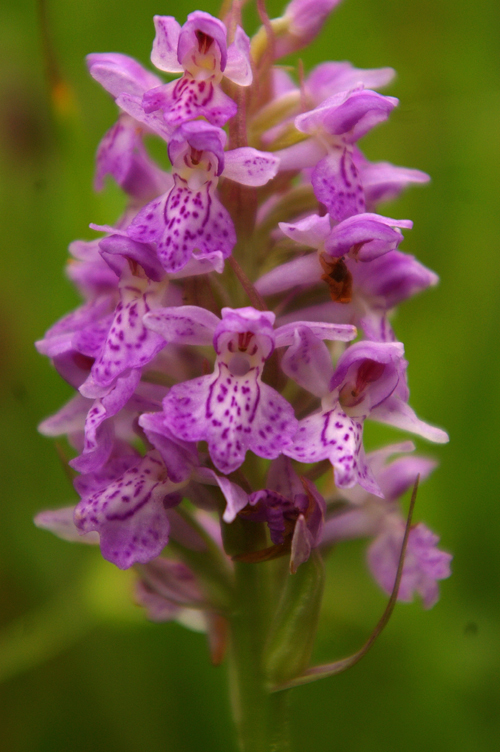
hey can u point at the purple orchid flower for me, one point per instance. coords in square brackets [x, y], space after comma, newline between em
[127, 345]
[190, 219]
[300, 24]
[362, 292]
[232, 409]
[121, 153]
[130, 513]
[335, 126]
[198, 50]
[369, 381]
[369, 516]
[364, 237]
[292, 508]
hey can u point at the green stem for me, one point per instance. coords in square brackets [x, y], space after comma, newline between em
[261, 718]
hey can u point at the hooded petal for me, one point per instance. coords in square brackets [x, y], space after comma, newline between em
[370, 235]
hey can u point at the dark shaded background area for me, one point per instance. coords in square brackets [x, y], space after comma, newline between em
[82, 669]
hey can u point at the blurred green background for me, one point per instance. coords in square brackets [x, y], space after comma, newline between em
[81, 668]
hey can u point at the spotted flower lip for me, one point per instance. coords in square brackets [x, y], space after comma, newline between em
[189, 221]
[130, 514]
[232, 409]
[369, 382]
[424, 565]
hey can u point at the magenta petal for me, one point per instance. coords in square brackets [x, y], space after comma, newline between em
[178, 456]
[305, 270]
[333, 435]
[183, 222]
[311, 231]
[285, 335]
[69, 419]
[384, 182]
[128, 344]
[239, 67]
[337, 184]
[424, 563]
[164, 53]
[155, 121]
[249, 166]
[358, 114]
[209, 26]
[98, 434]
[130, 515]
[236, 498]
[371, 235]
[306, 18]
[187, 325]
[232, 413]
[115, 248]
[308, 362]
[397, 413]
[187, 99]
[328, 79]
[60, 522]
[120, 74]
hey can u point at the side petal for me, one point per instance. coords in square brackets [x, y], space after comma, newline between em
[187, 325]
[308, 362]
[239, 67]
[305, 270]
[285, 334]
[397, 413]
[60, 522]
[120, 74]
[311, 231]
[249, 166]
[155, 121]
[164, 53]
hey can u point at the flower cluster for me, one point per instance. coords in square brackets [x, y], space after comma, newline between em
[235, 332]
